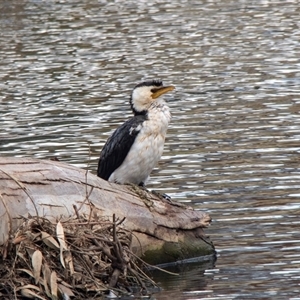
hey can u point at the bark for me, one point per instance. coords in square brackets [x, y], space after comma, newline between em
[163, 231]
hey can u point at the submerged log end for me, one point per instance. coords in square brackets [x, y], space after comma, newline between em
[185, 245]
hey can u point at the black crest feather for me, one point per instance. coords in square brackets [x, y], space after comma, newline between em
[157, 83]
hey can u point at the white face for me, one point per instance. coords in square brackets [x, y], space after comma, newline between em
[142, 97]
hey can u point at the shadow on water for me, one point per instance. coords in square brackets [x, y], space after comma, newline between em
[67, 69]
[190, 280]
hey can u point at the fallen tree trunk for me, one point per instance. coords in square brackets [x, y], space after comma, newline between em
[163, 231]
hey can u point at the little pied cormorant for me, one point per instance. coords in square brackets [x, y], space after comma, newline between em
[134, 149]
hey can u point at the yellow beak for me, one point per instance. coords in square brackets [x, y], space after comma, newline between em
[162, 90]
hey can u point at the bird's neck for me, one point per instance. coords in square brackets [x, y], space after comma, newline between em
[160, 113]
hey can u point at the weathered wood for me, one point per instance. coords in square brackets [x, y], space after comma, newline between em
[50, 188]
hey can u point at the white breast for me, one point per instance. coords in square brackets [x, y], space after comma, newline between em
[146, 149]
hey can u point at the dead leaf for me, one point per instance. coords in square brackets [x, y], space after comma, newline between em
[66, 284]
[65, 290]
[28, 286]
[26, 271]
[47, 279]
[30, 294]
[47, 273]
[69, 261]
[61, 236]
[62, 244]
[53, 285]
[49, 240]
[19, 239]
[21, 255]
[36, 261]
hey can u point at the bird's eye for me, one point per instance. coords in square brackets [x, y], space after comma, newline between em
[154, 90]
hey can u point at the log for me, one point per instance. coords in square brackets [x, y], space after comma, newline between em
[163, 231]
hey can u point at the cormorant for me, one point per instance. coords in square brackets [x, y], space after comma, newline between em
[135, 147]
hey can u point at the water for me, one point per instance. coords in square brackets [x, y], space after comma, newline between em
[67, 69]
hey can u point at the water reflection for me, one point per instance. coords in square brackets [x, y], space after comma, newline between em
[191, 280]
[67, 69]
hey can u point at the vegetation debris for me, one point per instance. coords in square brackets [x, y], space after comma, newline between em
[82, 257]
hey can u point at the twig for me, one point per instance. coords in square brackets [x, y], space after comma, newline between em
[121, 221]
[151, 266]
[8, 214]
[88, 223]
[143, 273]
[115, 239]
[105, 251]
[76, 211]
[135, 273]
[114, 277]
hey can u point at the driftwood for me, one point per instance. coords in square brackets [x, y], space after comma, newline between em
[162, 231]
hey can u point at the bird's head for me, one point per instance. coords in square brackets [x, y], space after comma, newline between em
[145, 93]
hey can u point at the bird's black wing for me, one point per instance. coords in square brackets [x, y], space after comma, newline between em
[118, 145]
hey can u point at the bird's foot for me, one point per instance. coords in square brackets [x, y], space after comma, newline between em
[142, 193]
[141, 186]
[138, 188]
[162, 196]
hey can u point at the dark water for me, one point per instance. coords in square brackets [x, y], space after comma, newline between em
[233, 149]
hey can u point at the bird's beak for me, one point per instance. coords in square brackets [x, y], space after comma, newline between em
[162, 90]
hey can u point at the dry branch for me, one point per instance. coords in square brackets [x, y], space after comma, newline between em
[39, 261]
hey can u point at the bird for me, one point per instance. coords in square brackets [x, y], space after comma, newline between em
[135, 147]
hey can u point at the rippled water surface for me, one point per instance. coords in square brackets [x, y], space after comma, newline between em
[233, 150]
